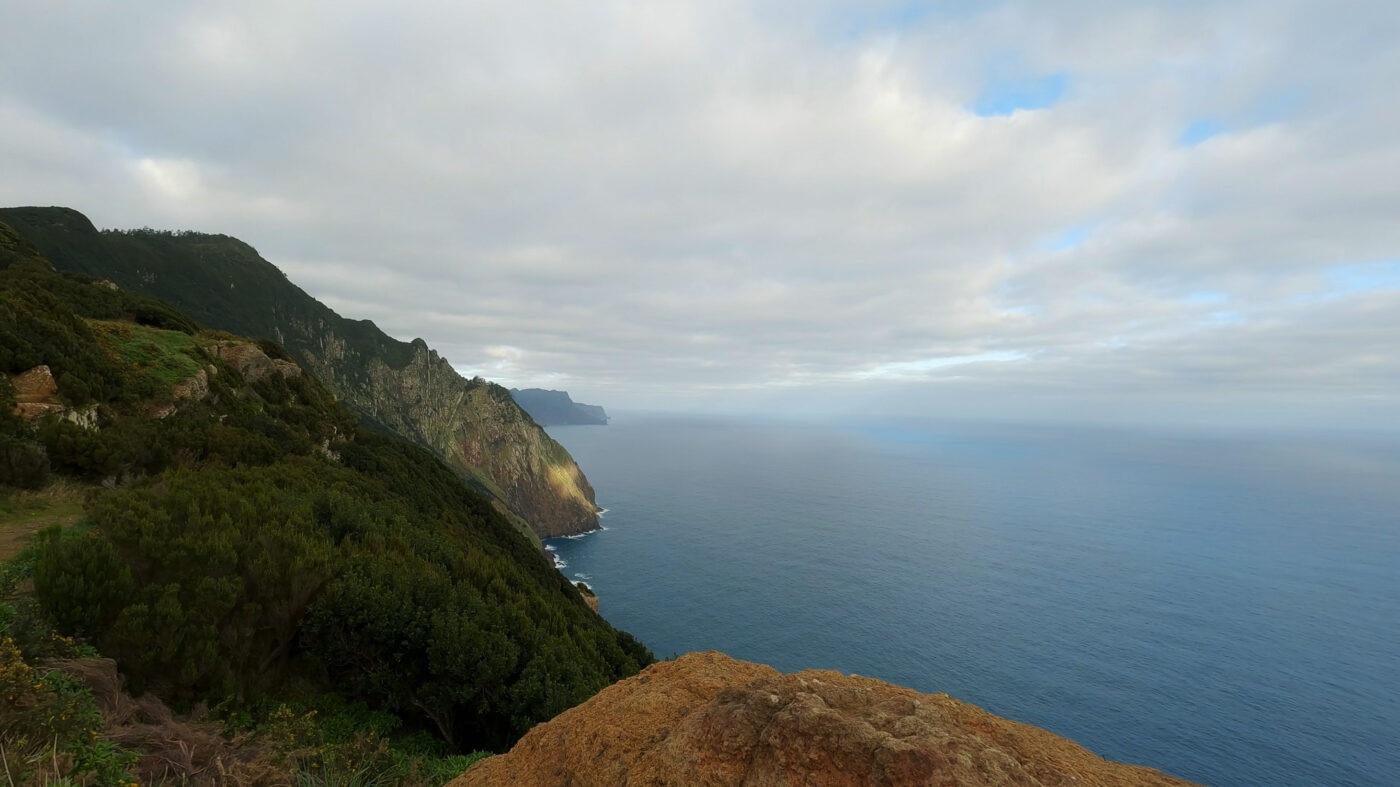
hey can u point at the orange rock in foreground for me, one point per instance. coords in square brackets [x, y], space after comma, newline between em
[707, 719]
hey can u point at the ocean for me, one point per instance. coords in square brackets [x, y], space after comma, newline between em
[1224, 607]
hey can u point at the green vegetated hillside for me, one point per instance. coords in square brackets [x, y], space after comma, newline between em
[403, 388]
[344, 602]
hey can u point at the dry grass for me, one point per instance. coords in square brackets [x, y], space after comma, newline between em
[173, 749]
[23, 513]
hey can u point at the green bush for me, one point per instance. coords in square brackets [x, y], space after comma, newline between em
[224, 581]
[79, 581]
[23, 464]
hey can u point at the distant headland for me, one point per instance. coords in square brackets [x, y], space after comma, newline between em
[555, 408]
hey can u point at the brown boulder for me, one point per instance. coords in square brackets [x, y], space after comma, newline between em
[36, 393]
[707, 719]
[250, 361]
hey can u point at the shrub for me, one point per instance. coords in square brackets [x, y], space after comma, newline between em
[23, 464]
[50, 725]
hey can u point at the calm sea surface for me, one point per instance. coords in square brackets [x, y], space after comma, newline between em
[1225, 608]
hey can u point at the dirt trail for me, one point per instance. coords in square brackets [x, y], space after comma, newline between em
[26, 513]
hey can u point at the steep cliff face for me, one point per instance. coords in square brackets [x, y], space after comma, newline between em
[708, 719]
[403, 388]
[473, 425]
[476, 427]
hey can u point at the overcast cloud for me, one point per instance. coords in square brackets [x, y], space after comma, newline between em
[1133, 210]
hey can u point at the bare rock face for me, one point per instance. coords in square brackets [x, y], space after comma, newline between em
[286, 368]
[196, 387]
[86, 417]
[36, 393]
[251, 362]
[707, 719]
[589, 597]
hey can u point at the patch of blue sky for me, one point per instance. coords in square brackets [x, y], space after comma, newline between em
[909, 368]
[1273, 108]
[1360, 277]
[1206, 296]
[1200, 131]
[1225, 317]
[1070, 237]
[1005, 94]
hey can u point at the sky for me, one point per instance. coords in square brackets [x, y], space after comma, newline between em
[1131, 211]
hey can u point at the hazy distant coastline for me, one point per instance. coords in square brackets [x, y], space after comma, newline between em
[557, 408]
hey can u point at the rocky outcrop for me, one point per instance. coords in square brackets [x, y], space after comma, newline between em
[707, 719]
[589, 597]
[196, 388]
[86, 417]
[251, 362]
[36, 393]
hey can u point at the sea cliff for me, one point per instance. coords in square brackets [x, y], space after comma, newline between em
[557, 408]
[474, 426]
[402, 388]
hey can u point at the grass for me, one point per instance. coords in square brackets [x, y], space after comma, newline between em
[169, 357]
[24, 513]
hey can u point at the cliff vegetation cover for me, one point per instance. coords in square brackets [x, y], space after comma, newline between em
[315, 601]
[400, 388]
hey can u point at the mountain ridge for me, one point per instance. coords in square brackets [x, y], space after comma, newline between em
[403, 388]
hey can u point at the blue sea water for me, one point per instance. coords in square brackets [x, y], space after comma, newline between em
[1224, 607]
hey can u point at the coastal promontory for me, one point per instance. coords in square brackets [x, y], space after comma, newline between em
[557, 408]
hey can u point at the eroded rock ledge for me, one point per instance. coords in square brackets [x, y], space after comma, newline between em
[707, 719]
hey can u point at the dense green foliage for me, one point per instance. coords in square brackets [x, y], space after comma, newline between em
[52, 730]
[224, 284]
[218, 280]
[227, 581]
[45, 318]
[256, 542]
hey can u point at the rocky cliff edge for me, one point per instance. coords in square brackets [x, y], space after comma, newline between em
[476, 428]
[707, 719]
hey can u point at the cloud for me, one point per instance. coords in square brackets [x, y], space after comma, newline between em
[718, 204]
